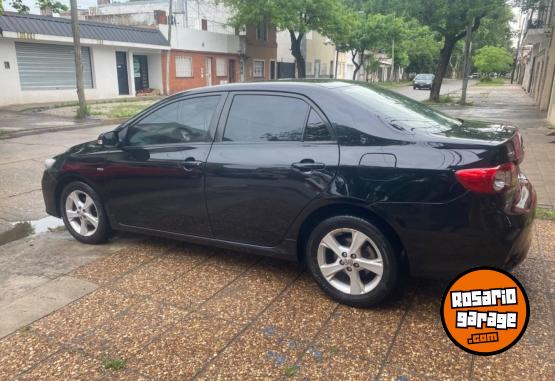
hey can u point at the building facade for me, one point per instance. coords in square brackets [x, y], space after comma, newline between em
[536, 60]
[38, 59]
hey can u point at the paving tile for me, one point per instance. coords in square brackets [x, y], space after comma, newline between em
[232, 260]
[66, 365]
[22, 350]
[390, 373]
[127, 333]
[149, 278]
[531, 274]
[124, 375]
[84, 314]
[249, 294]
[363, 332]
[546, 233]
[256, 355]
[110, 268]
[196, 286]
[326, 365]
[423, 347]
[300, 312]
[183, 350]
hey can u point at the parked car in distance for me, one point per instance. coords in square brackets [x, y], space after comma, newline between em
[423, 81]
[475, 75]
[357, 181]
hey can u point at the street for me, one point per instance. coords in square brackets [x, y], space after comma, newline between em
[448, 86]
[172, 310]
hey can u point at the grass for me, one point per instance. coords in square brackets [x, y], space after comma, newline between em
[291, 370]
[123, 111]
[545, 214]
[390, 84]
[92, 102]
[442, 99]
[114, 364]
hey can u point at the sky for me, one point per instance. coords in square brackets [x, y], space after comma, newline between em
[34, 9]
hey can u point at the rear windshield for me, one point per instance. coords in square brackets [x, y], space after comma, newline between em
[398, 111]
[424, 76]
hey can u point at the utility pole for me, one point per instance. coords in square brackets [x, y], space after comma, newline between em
[393, 59]
[168, 52]
[466, 61]
[82, 111]
[336, 62]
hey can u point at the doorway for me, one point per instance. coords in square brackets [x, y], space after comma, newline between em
[208, 70]
[140, 72]
[231, 70]
[272, 69]
[123, 80]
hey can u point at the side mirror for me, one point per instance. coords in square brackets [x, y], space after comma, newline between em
[108, 139]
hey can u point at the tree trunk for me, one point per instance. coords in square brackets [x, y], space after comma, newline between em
[82, 111]
[297, 53]
[441, 69]
[357, 64]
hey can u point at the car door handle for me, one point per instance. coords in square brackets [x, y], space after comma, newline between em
[307, 165]
[190, 163]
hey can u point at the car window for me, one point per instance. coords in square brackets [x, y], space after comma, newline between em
[400, 112]
[185, 121]
[316, 129]
[424, 76]
[256, 118]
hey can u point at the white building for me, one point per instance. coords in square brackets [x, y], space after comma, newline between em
[37, 64]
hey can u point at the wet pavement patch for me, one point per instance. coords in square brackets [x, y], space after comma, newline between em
[26, 228]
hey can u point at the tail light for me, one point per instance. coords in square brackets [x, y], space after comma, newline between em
[516, 148]
[489, 180]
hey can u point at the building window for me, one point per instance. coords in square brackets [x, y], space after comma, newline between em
[258, 69]
[221, 67]
[183, 66]
[262, 33]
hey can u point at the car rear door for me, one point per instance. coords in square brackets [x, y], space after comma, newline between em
[273, 154]
[156, 179]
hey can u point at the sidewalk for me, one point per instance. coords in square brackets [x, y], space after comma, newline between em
[510, 104]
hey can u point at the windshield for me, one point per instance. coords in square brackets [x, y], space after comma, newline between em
[398, 111]
[424, 76]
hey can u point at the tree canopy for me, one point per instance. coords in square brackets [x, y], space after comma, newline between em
[296, 16]
[55, 6]
[493, 59]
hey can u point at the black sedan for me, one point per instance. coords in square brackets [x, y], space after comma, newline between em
[357, 181]
[423, 81]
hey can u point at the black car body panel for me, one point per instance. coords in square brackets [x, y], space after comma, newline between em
[395, 165]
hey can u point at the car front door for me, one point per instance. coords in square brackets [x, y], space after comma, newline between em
[156, 179]
[273, 154]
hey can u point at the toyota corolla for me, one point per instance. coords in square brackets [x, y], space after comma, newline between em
[356, 181]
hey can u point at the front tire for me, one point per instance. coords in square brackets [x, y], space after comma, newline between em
[352, 261]
[83, 214]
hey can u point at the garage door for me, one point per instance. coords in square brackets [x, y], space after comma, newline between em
[44, 66]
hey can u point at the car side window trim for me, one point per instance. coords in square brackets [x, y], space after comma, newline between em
[311, 106]
[211, 129]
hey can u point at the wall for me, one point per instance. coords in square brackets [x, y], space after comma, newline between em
[319, 48]
[198, 79]
[201, 40]
[259, 50]
[105, 83]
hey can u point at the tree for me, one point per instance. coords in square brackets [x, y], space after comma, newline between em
[492, 59]
[82, 110]
[449, 20]
[295, 16]
[54, 6]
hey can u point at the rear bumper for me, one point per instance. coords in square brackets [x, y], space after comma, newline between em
[443, 240]
[49, 184]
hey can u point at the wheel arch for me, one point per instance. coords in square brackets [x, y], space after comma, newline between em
[66, 179]
[338, 209]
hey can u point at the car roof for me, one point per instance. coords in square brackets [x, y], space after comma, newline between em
[296, 86]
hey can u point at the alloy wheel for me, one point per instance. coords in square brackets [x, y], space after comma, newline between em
[350, 261]
[81, 213]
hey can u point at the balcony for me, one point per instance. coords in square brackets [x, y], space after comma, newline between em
[537, 31]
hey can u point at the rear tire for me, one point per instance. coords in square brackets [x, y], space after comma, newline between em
[352, 261]
[83, 214]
